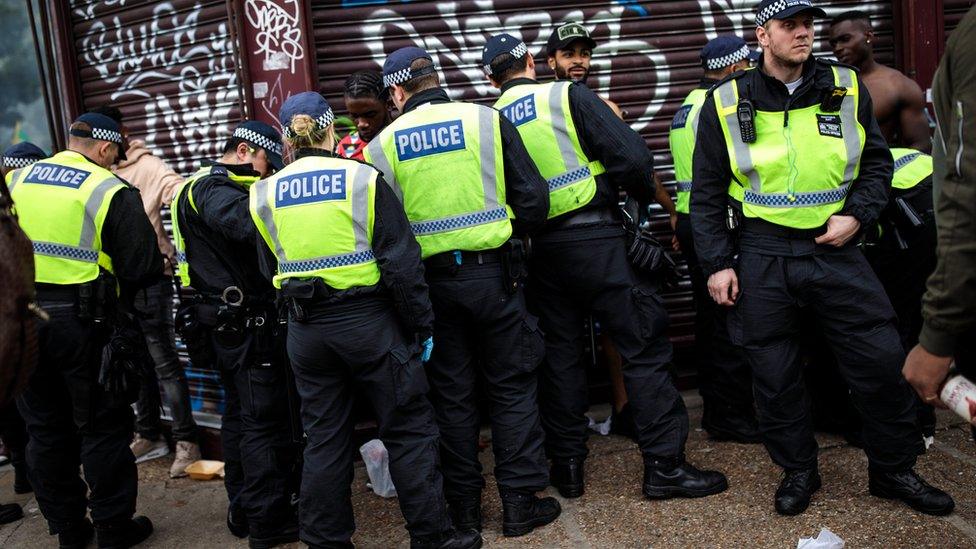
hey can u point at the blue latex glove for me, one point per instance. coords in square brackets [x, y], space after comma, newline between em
[428, 345]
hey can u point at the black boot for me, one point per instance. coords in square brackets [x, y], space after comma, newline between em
[466, 514]
[123, 534]
[566, 476]
[795, 490]
[9, 512]
[671, 478]
[265, 538]
[911, 489]
[21, 484]
[522, 513]
[237, 522]
[453, 539]
[76, 537]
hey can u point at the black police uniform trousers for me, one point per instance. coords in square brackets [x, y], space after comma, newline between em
[724, 380]
[777, 277]
[483, 333]
[260, 453]
[570, 280]
[71, 421]
[360, 342]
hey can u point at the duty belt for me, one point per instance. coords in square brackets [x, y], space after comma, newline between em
[596, 216]
[760, 226]
[462, 257]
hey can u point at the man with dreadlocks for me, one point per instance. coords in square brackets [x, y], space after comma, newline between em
[367, 100]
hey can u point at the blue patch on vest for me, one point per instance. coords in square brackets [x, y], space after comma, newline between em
[308, 187]
[52, 174]
[430, 139]
[521, 111]
[681, 117]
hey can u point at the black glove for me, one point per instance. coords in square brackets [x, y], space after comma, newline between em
[125, 360]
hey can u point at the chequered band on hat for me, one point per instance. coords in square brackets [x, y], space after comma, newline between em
[517, 52]
[729, 59]
[260, 140]
[403, 75]
[16, 162]
[779, 5]
[323, 121]
[106, 135]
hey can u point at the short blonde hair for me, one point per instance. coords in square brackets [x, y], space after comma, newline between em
[306, 133]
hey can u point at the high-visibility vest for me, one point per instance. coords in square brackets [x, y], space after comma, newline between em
[317, 217]
[62, 202]
[541, 114]
[444, 161]
[179, 242]
[684, 129]
[797, 174]
[911, 168]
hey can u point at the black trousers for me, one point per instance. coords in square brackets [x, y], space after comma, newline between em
[724, 379]
[483, 333]
[570, 280]
[260, 452]
[776, 278]
[362, 343]
[71, 421]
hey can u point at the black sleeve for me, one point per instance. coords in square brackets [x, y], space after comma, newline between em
[224, 208]
[398, 257]
[709, 198]
[267, 262]
[129, 239]
[607, 138]
[869, 192]
[525, 189]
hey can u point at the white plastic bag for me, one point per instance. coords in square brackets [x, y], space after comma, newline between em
[602, 427]
[824, 540]
[377, 462]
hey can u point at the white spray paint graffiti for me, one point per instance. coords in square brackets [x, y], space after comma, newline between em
[278, 35]
[169, 48]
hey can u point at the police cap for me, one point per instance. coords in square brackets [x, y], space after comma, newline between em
[103, 128]
[310, 103]
[784, 9]
[263, 136]
[396, 68]
[22, 154]
[723, 51]
[501, 44]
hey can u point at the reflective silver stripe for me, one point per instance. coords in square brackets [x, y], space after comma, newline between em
[743, 157]
[94, 203]
[848, 121]
[559, 127]
[694, 123]
[486, 136]
[456, 222]
[684, 186]
[785, 200]
[906, 160]
[64, 251]
[13, 179]
[267, 217]
[360, 206]
[377, 157]
[326, 262]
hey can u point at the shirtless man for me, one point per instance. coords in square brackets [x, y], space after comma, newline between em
[898, 101]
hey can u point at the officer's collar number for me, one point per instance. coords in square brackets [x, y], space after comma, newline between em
[521, 111]
[829, 125]
[308, 187]
[430, 139]
[52, 174]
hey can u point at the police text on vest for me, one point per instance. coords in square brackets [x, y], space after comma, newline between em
[52, 174]
[429, 139]
[305, 188]
[520, 111]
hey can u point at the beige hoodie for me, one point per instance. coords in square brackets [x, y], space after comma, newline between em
[157, 183]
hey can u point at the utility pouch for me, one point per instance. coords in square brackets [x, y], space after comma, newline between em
[514, 263]
[732, 220]
[833, 99]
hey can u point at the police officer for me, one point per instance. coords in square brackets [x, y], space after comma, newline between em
[808, 168]
[90, 237]
[340, 248]
[471, 193]
[21, 155]
[723, 373]
[234, 321]
[579, 266]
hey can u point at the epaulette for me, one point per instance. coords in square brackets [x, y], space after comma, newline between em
[733, 76]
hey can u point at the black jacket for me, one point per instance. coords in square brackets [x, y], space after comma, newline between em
[220, 235]
[525, 190]
[129, 239]
[622, 151]
[713, 172]
[397, 256]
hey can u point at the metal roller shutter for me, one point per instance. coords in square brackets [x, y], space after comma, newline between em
[954, 11]
[171, 68]
[646, 61]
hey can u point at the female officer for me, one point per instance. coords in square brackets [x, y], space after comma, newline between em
[340, 248]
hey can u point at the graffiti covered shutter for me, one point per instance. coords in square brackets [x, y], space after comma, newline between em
[170, 68]
[954, 11]
[646, 61]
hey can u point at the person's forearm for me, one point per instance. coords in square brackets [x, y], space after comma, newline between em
[663, 198]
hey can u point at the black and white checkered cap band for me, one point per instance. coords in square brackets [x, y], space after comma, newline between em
[769, 11]
[726, 60]
[16, 162]
[106, 135]
[517, 52]
[323, 121]
[402, 75]
[252, 136]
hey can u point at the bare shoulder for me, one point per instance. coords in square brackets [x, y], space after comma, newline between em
[903, 85]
